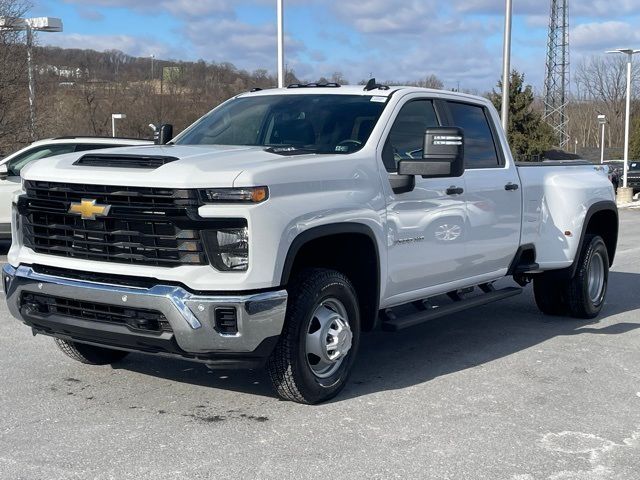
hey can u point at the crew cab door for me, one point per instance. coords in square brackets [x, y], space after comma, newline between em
[493, 191]
[426, 222]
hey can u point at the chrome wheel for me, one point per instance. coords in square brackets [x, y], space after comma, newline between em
[328, 339]
[448, 233]
[596, 277]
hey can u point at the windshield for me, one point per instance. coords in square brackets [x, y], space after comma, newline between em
[634, 166]
[303, 123]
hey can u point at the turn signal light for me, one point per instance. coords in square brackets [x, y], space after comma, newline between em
[235, 195]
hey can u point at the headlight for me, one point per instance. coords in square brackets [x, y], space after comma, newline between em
[235, 195]
[228, 248]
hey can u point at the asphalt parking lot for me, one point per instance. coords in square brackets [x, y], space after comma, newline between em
[501, 392]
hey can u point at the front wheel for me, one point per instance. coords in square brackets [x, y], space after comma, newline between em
[318, 345]
[90, 354]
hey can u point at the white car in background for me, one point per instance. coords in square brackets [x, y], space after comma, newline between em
[11, 165]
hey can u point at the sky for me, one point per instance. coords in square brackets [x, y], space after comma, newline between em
[460, 41]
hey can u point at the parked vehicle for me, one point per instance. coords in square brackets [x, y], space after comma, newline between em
[284, 223]
[11, 165]
[633, 176]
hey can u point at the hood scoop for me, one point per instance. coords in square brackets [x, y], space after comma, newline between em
[149, 162]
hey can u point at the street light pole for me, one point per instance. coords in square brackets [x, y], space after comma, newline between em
[281, 67]
[626, 195]
[506, 67]
[32, 86]
[602, 119]
[114, 117]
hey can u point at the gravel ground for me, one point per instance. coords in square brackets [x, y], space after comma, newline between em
[500, 392]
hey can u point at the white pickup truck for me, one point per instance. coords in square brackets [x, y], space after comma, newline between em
[286, 222]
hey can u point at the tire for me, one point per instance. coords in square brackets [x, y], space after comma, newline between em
[550, 295]
[587, 290]
[88, 354]
[323, 306]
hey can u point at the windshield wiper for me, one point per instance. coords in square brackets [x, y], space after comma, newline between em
[290, 150]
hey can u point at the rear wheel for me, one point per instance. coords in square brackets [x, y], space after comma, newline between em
[90, 354]
[550, 295]
[587, 291]
[318, 345]
[582, 296]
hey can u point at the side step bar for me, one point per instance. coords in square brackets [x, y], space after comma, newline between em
[400, 323]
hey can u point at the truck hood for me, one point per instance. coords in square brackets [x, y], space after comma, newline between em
[198, 166]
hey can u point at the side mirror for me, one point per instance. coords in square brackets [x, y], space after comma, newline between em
[164, 134]
[4, 171]
[442, 155]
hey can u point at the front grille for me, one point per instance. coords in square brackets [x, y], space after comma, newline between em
[146, 226]
[633, 179]
[134, 318]
[150, 162]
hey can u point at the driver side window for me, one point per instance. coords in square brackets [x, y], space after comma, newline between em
[407, 134]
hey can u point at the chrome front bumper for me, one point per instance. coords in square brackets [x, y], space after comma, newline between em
[260, 316]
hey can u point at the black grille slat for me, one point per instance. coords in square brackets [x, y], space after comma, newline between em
[135, 318]
[113, 195]
[141, 228]
[150, 162]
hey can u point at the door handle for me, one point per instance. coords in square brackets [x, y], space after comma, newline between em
[511, 187]
[455, 191]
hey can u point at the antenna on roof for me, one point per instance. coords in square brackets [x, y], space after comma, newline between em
[373, 85]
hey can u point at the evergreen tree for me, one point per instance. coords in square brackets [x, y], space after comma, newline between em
[527, 133]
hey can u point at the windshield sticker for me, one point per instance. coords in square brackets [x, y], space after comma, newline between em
[342, 148]
[379, 99]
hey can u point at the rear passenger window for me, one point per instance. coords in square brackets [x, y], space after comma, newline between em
[407, 134]
[479, 146]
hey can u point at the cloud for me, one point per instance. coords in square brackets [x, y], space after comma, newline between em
[136, 46]
[180, 8]
[90, 14]
[585, 8]
[245, 45]
[603, 36]
[391, 16]
[522, 7]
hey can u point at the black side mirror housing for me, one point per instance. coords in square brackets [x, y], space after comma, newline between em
[442, 155]
[164, 134]
[4, 172]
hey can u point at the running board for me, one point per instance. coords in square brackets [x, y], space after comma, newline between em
[400, 323]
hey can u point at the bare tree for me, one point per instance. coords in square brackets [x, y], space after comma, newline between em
[601, 81]
[429, 82]
[13, 79]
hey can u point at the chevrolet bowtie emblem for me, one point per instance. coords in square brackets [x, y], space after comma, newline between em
[88, 209]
